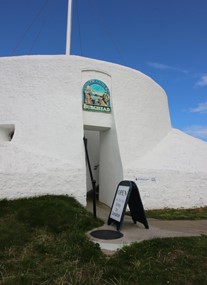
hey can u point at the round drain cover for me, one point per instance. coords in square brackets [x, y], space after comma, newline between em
[106, 234]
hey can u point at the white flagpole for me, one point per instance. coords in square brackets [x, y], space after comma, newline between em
[69, 24]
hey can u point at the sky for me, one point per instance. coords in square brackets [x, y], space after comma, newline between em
[164, 39]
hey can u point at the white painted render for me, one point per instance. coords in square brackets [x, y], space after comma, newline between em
[41, 99]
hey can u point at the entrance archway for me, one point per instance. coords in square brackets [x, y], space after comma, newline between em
[105, 162]
[93, 146]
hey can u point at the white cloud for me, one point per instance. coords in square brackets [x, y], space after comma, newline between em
[202, 81]
[158, 65]
[197, 131]
[162, 66]
[201, 108]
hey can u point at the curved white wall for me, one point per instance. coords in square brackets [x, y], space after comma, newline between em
[42, 97]
[173, 174]
[141, 113]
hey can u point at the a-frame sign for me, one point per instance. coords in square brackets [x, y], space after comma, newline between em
[127, 193]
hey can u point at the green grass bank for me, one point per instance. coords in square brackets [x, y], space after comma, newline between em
[43, 241]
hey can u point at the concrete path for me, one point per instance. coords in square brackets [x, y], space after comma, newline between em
[137, 232]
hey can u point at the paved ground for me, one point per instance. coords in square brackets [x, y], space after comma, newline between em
[137, 232]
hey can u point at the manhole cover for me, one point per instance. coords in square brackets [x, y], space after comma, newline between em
[106, 234]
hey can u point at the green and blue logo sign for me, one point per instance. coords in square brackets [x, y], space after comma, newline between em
[96, 96]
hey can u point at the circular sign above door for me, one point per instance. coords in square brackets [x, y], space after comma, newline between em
[96, 96]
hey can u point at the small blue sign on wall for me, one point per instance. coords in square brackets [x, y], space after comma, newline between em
[96, 96]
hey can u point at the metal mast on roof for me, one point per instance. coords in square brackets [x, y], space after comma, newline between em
[69, 25]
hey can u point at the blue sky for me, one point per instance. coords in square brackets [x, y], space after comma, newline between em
[164, 39]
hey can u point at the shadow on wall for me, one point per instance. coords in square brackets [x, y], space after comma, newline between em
[6, 132]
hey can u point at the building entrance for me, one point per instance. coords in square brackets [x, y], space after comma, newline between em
[105, 163]
[93, 147]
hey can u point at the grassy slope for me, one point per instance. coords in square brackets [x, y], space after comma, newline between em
[43, 241]
[178, 214]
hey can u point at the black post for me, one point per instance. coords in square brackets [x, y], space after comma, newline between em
[91, 175]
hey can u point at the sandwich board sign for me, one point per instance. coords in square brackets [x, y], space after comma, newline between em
[127, 193]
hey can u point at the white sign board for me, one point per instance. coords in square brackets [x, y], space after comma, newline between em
[119, 202]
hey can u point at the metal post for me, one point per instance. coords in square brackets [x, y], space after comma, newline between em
[69, 28]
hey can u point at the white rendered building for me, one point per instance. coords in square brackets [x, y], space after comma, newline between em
[45, 114]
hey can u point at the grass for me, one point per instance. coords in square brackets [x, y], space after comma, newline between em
[43, 241]
[162, 261]
[178, 214]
